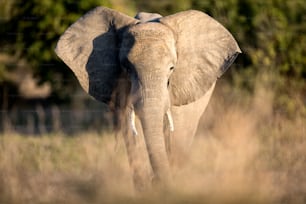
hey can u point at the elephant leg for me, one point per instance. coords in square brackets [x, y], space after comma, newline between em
[137, 155]
[186, 119]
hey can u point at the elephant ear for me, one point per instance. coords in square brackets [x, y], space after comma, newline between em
[205, 50]
[90, 48]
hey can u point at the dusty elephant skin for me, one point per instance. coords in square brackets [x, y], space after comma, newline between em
[156, 73]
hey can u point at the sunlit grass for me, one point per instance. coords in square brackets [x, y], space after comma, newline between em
[60, 168]
[242, 154]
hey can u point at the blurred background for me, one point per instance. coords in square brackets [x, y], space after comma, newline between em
[40, 94]
[261, 101]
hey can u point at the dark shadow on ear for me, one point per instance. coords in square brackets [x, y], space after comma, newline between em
[103, 65]
[90, 47]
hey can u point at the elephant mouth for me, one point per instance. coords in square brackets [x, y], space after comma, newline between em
[132, 123]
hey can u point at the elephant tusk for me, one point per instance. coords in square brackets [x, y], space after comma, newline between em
[170, 120]
[132, 122]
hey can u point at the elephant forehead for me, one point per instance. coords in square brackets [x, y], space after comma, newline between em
[150, 30]
[146, 41]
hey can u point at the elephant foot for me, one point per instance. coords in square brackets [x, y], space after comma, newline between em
[162, 183]
[141, 181]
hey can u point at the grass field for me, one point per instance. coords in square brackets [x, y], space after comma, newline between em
[242, 154]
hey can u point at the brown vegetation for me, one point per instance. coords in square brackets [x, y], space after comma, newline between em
[243, 153]
[249, 148]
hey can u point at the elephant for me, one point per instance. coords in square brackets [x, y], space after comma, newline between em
[157, 75]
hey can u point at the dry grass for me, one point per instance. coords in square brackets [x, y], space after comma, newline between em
[242, 154]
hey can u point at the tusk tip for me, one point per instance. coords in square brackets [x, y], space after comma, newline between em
[135, 133]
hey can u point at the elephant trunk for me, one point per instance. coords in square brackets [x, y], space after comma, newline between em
[152, 123]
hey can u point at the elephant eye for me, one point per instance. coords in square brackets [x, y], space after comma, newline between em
[171, 68]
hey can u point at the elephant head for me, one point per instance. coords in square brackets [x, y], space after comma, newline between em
[170, 61]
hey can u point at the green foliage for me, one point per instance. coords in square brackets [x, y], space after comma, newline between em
[36, 25]
[163, 7]
[270, 34]
[32, 30]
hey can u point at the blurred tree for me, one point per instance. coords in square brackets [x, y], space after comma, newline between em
[28, 65]
[163, 7]
[270, 33]
[124, 6]
[30, 30]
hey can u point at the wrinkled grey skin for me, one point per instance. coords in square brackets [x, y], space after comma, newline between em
[156, 73]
